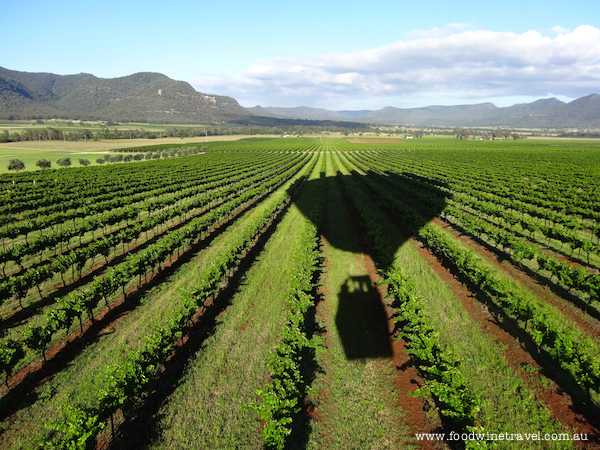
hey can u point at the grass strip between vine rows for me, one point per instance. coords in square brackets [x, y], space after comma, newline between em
[18, 285]
[283, 396]
[444, 379]
[125, 383]
[563, 341]
[38, 337]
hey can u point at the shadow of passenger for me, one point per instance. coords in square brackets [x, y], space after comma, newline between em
[361, 320]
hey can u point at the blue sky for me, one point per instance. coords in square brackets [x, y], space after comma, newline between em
[330, 54]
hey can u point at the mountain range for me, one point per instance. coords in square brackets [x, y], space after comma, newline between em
[547, 113]
[154, 98]
[142, 97]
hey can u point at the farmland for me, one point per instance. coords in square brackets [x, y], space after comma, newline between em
[305, 293]
[32, 151]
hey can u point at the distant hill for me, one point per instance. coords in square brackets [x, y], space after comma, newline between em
[307, 113]
[547, 113]
[154, 98]
[430, 115]
[354, 114]
[141, 97]
[304, 112]
[263, 112]
[263, 121]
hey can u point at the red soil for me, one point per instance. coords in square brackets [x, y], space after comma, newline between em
[323, 310]
[586, 322]
[407, 378]
[558, 402]
[60, 348]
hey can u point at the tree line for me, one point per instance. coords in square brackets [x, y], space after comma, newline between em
[17, 164]
[54, 134]
[464, 133]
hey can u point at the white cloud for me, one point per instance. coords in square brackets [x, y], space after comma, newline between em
[469, 64]
[435, 32]
[559, 30]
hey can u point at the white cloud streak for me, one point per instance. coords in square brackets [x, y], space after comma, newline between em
[454, 61]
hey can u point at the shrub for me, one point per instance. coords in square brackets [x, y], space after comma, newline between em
[16, 165]
[43, 164]
[64, 162]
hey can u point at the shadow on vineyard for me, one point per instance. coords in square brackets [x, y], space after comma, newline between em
[361, 319]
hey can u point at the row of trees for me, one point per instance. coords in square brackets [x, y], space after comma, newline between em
[464, 133]
[105, 133]
[47, 134]
[17, 164]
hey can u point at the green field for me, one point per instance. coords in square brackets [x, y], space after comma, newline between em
[305, 293]
[32, 151]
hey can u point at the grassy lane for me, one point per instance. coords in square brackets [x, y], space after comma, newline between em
[212, 407]
[78, 383]
[355, 395]
[507, 404]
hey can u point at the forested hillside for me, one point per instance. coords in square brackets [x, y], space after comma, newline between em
[141, 97]
[545, 113]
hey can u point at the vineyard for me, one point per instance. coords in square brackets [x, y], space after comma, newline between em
[305, 294]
